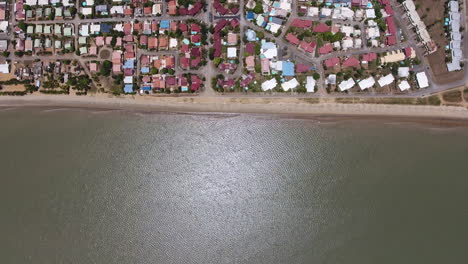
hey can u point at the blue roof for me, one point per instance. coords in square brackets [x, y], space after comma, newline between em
[146, 88]
[145, 70]
[268, 45]
[106, 28]
[288, 68]
[250, 15]
[128, 88]
[164, 24]
[129, 64]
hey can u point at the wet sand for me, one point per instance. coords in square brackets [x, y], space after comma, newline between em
[290, 107]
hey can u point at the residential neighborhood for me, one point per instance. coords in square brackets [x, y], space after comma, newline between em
[320, 48]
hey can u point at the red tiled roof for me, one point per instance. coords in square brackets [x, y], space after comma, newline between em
[184, 62]
[391, 28]
[351, 62]
[301, 68]
[183, 27]
[250, 48]
[320, 28]
[300, 23]
[308, 47]
[391, 40]
[369, 57]
[195, 28]
[332, 62]
[327, 48]
[408, 52]
[292, 39]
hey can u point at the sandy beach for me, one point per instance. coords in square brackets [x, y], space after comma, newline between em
[283, 106]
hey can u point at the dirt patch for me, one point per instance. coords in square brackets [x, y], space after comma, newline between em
[432, 12]
[432, 100]
[310, 100]
[452, 97]
[13, 88]
[465, 95]
[104, 54]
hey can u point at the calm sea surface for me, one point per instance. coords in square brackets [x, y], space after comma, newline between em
[114, 187]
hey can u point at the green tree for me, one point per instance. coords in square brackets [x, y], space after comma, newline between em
[106, 68]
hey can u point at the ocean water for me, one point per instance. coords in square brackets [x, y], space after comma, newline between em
[85, 186]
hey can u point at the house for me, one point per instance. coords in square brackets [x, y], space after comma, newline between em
[288, 68]
[231, 39]
[292, 39]
[369, 57]
[386, 80]
[321, 28]
[308, 47]
[346, 85]
[366, 83]
[332, 62]
[265, 66]
[291, 84]
[300, 23]
[325, 49]
[250, 63]
[269, 84]
[5, 68]
[351, 62]
[232, 52]
[310, 84]
[423, 82]
[404, 85]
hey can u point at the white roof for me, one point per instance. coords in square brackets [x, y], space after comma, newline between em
[276, 65]
[31, 2]
[84, 30]
[457, 53]
[403, 72]
[347, 13]
[291, 84]
[95, 28]
[268, 85]
[118, 27]
[331, 79]
[312, 11]
[454, 66]
[66, 3]
[43, 2]
[270, 53]
[326, 11]
[367, 83]
[232, 52]
[386, 80]
[86, 11]
[453, 5]
[128, 79]
[274, 27]
[404, 85]
[117, 10]
[173, 43]
[4, 68]
[456, 36]
[370, 13]
[310, 84]
[423, 82]
[3, 25]
[346, 85]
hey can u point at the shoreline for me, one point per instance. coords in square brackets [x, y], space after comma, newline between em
[290, 107]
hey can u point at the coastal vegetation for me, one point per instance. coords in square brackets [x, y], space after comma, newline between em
[431, 100]
[452, 97]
